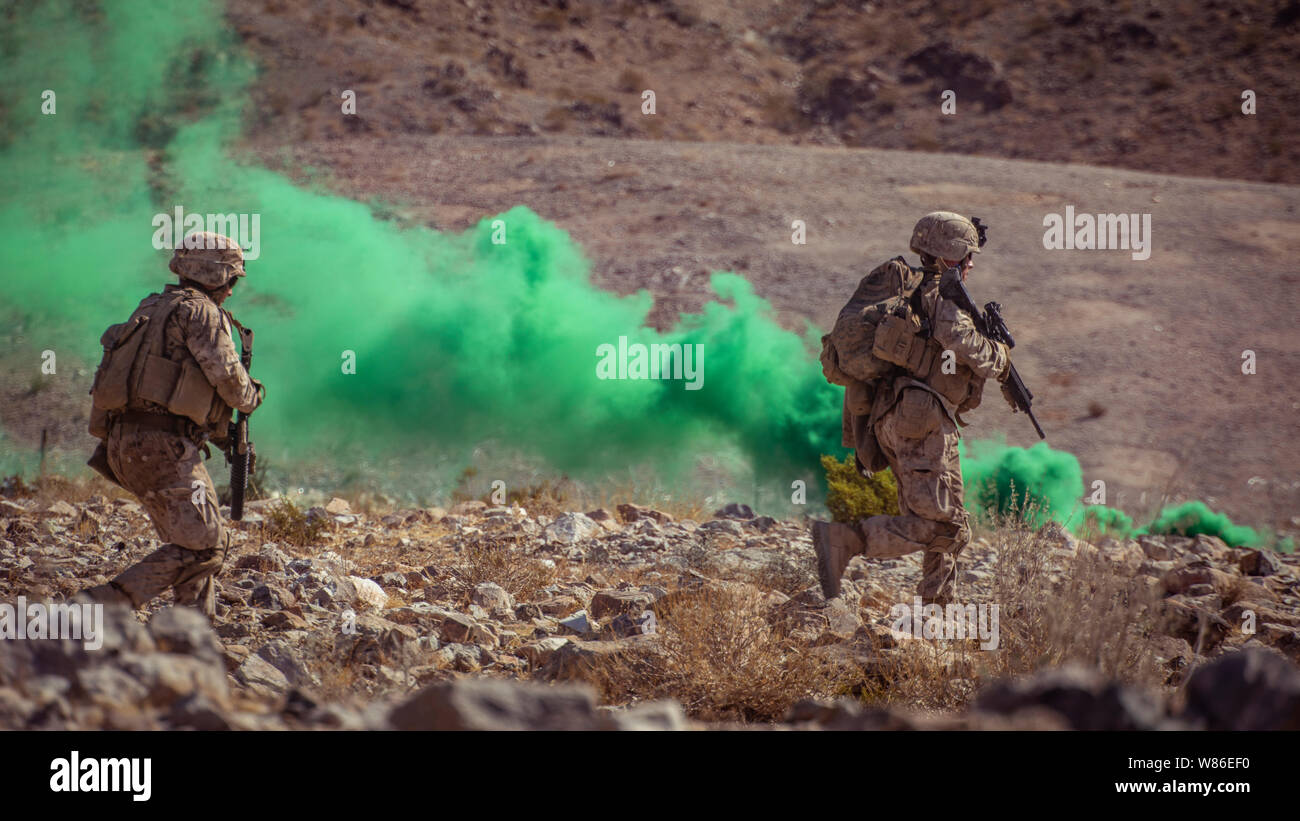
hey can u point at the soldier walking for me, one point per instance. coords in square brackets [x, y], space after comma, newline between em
[913, 421]
[168, 383]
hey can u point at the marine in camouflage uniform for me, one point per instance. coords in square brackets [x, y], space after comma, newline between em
[913, 427]
[156, 453]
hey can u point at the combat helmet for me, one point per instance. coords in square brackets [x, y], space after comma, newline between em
[209, 259]
[945, 235]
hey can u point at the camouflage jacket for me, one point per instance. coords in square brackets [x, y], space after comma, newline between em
[977, 358]
[199, 329]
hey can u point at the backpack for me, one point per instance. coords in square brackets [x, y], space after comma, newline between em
[874, 332]
[131, 371]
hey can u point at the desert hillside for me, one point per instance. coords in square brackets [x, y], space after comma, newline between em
[1151, 86]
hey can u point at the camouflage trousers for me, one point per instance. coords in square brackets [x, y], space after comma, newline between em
[165, 471]
[920, 442]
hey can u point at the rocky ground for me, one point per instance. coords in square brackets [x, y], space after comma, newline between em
[461, 619]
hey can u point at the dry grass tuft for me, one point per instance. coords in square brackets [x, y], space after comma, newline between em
[521, 576]
[1090, 612]
[788, 576]
[50, 488]
[717, 654]
[286, 523]
[1085, 611]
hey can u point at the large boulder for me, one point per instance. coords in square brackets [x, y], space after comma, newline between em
[1254, 689]
[1083, 698]
[571, 528]
[489, 704]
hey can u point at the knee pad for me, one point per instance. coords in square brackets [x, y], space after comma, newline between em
[950, 537]
[205, 563]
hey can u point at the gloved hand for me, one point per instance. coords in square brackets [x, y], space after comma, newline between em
[1006, 394]
[1006, 357]
[259, 388]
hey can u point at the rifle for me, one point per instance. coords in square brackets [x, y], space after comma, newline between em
[239, 448]
[991, 326]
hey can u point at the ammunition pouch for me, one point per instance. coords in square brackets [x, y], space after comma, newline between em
[899, 340]
[180, 387]
[99, 462]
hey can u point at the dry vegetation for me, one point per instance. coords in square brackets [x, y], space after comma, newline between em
[725, 653]
[720, 656]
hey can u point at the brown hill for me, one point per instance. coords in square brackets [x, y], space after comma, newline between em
[1153, 86]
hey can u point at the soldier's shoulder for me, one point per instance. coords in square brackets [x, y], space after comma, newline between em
[897, 264]
[194, 308]
[908, 275]
[193, 300]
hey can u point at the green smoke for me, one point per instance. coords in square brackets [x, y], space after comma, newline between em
[467, 351]
[1039, 482]
[459, 341]
[1108, 521]
[1043, 484]
[1194, 518]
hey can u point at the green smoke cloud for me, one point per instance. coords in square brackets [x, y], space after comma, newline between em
[1194, 518]
[459, 341]
[1044, 484]
[1040, 482]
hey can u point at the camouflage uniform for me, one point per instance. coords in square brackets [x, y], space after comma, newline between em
[164, 468]
[912, 427]
[917, 433]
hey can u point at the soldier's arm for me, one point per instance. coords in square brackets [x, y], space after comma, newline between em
[209, 340]
[955, 331]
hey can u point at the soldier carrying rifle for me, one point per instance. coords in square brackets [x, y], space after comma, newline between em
[913, 354]
[168, 382]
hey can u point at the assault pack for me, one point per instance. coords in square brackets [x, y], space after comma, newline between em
[133, 369]
[881, 331]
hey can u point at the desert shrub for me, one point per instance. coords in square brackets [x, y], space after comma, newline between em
[1086, 610]
[720, 657]
[521, 576]
[1057, 605]
[850, 497]
[286, 523]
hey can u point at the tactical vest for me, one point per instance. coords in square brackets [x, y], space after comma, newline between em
[905, 339]
[134, 374]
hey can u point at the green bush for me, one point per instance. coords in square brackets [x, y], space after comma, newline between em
[285, 522]
[849, 497]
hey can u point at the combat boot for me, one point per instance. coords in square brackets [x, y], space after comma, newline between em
[836, 543]
[107, 594]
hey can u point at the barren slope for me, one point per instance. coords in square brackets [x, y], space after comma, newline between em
[1157, 343]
